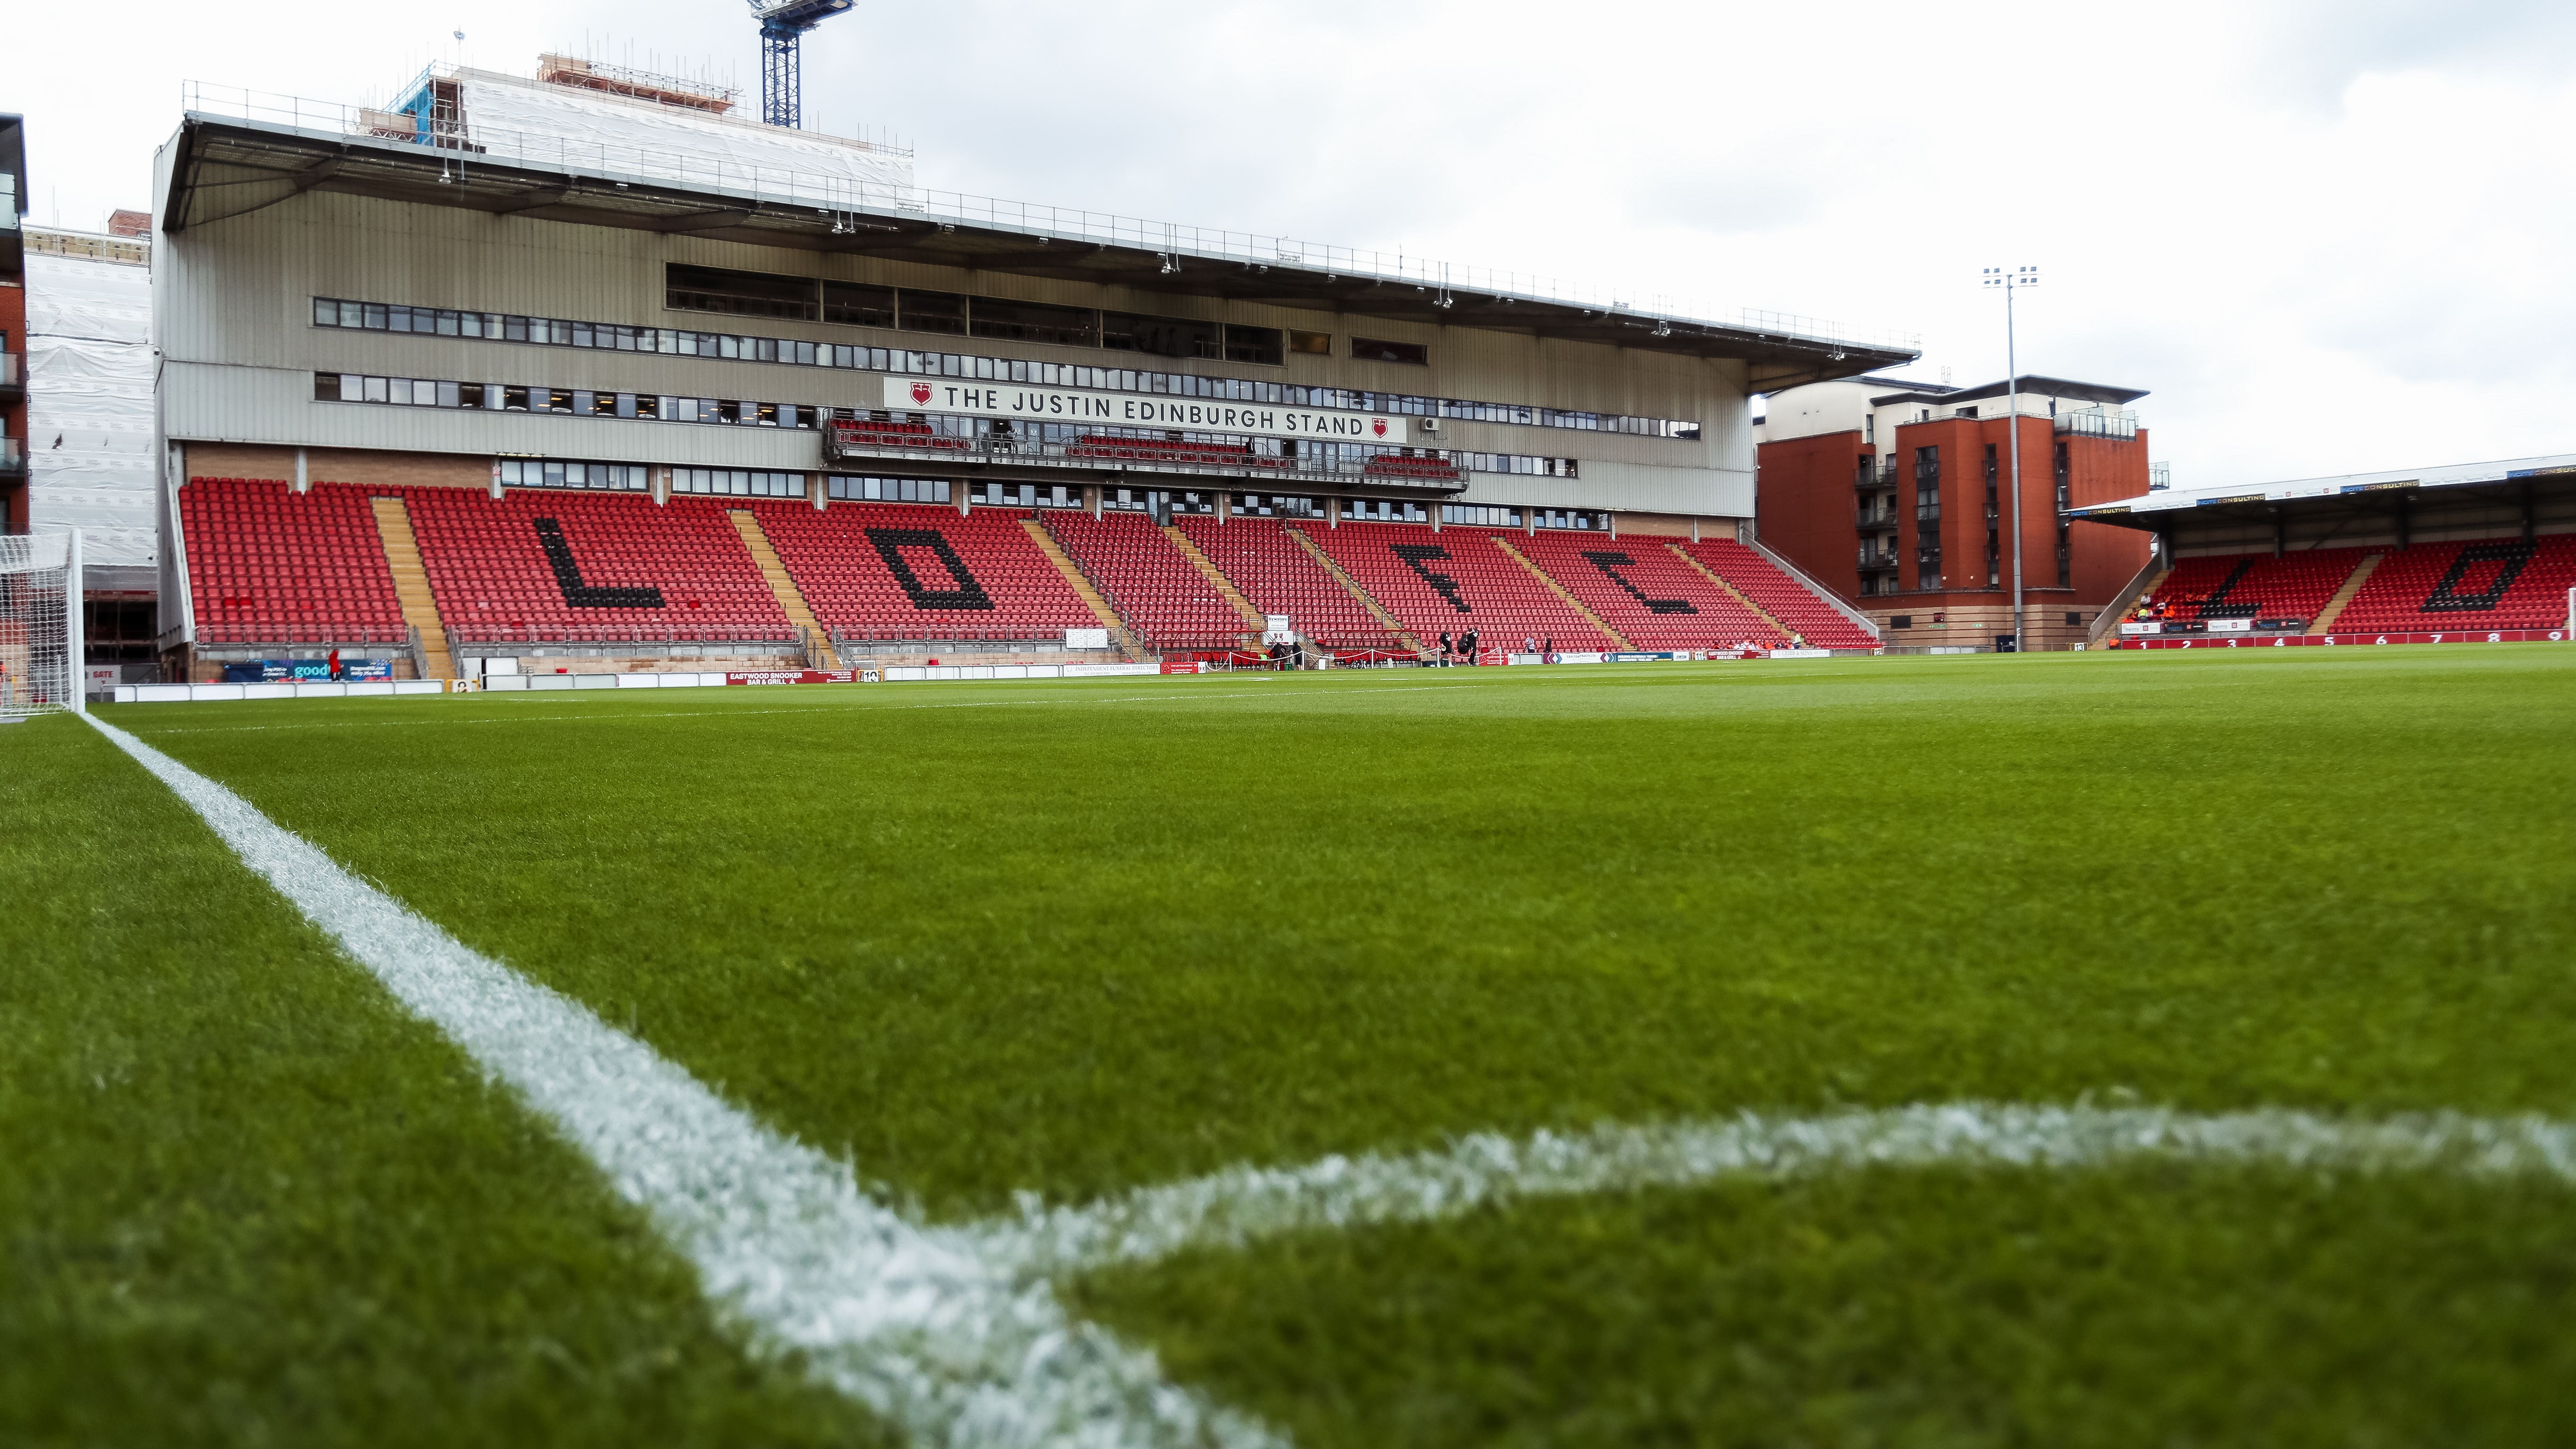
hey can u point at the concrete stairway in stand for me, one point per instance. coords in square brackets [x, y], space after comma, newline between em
[411, 586]
[1553, 587]
[2334, 608]
[1385, 620]
[1732, 592]
[819, 653]
[1129, 645]
[1253, 618]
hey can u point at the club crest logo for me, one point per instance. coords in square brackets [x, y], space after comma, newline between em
[1380, 426]
[921, 392]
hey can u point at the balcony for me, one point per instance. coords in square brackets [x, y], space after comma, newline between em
[2098, 423]
[1877, 559]
[1876, 518]
[13, 458]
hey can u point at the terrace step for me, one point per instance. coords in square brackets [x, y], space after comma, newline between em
[819, 653]
[1558, 589]
[1714, 577]
[1377, 611]
[1215, 577]
[1130, 646]
[2334, 608]
[411, 585]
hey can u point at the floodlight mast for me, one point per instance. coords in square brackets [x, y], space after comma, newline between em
[2009, 282]
[783, 24]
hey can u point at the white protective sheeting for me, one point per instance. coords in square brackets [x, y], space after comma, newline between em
[89, 405]
[520, 118]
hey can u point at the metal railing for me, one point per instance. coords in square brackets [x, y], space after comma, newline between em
[848, 200]
[2098, 423]
[1094, 457]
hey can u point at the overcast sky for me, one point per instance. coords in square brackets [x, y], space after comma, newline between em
[2325, 236]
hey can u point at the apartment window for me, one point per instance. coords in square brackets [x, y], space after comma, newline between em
[1160, 336]
[1868, 428]
[1410, 354]
[744, 294]
[1036, 322]
[1312, 344]
[1260, 346]
[856, 304]
[933, 312]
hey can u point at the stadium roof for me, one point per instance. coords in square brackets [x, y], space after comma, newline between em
[237, 152]
[2092, 392]
[2348, 492]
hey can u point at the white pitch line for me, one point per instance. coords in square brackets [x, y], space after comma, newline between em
[913, 1322]
[1240, 1205]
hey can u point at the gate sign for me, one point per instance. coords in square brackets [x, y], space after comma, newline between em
[1136, 410]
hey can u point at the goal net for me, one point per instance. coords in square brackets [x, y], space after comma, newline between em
[40, 663]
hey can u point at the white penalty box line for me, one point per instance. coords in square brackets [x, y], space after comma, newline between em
[956, 1334]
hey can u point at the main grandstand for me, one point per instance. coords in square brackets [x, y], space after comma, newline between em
[520, 370]
[2473, 551]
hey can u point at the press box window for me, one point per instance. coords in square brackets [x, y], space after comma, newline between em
[1312, 344]
[933, 312]
[1036, 322]
[856, 304]
[886, 490]
[737, 483]
[558, 473]
[1159, 336]
[1259, 345]
[1411, 354]
[744, 294]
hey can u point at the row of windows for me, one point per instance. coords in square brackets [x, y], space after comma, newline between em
[1025, 495]
[559, 473]
[1478, 513]
[1574, 518]
[745, 412]
[573, 401]
[1380, 510]
[557, 332]
[737, 483]
[886, 490]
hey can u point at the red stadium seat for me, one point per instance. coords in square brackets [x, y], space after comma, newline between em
[1149, 581]
[542, 566]
[915, 571]
[269, 566]
[1269, 569]
[1816, 621]
[1454, 580]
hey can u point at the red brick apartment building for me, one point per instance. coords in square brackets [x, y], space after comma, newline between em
[1897, 496]
[13, 327]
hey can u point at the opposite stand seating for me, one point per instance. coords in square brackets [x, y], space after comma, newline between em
[1783, 598]
[1151, 583]
[269, 566]
[1609, 575]
[979, 576]
[1278, 577]
[542, 566]
[1477, 585]
[2494, 583]
[2258, 586]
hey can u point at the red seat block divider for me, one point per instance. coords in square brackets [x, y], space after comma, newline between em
[1639, 588]
[543, 566]
[1149, 581]
[1792, 603]
[1277, 576]
[1454, 580]
[269, 566]
[918, 571]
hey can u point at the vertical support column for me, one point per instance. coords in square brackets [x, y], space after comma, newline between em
[75, 629]
[303, 483]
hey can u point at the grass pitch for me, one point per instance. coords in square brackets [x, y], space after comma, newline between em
[1073, 938]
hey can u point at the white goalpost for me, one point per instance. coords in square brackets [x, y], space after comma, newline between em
[40, 624]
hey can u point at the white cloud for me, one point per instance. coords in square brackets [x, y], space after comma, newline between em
[2324, 233]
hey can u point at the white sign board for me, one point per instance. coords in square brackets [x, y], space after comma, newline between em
[1086, 638]
[1274, 623]
[1136, 410]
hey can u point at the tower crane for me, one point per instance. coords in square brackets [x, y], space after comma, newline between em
[783, 24]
